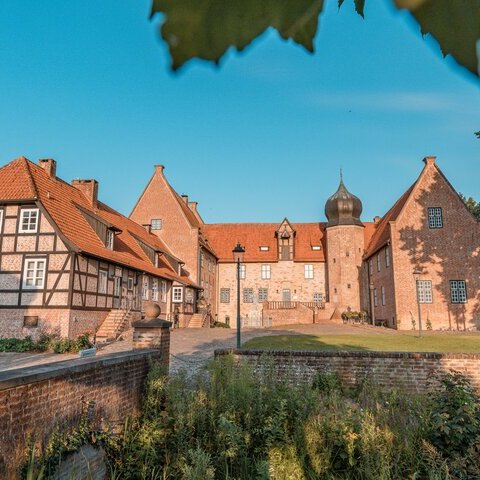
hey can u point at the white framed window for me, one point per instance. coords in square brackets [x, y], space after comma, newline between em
[224, 295]
[316, 247]
[370, 266]
[202, 258]
[248, 295]
[102, 281]
[424, 289]
[266, 272]
[145, 288]
[243, 271]
[318, 297]
[28, 220]
[163, 291]
[155, 290]
[382, 290]
[375, 298]
[177, 294]
[130, 283]
[262, 295]
[34, 273]
[117, 285]
[110, 239]
[458, 291]
[264, 248]
[156, 223]
[435, 217]
[378, 262]
[1, 218]
[387, 256]
[308, 270]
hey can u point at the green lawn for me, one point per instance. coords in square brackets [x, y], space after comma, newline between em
[430, 342]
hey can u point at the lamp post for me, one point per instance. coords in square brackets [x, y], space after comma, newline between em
[238, 252]
[416, 275]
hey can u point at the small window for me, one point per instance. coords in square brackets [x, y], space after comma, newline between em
[370, 266]
[1, 219]
[177, 294]
[110, 239]
[383, 295]
[130, 283]
[424, 291]
[435, 217]
[224, 295]
[318, 297]
[266, 272]
[163, 291]
[28, 220]
[102, 281]
[202, 258]
[316, 247]
[243, 271]
[458, 291]
[378, 262]
[145, 285]
[387, 257]
[308, 271]
[34, 273]
[155, 290]
[248, 295]
[262, 295]
[264, 248]
[375, 299]
[117, 285]
[156, 224]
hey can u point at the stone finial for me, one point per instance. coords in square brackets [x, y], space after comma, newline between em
[152, 311]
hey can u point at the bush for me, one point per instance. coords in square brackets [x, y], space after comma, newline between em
[17, 344]
[47, 342]
[221, 325]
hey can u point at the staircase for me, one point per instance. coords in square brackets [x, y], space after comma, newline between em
[112, 327]
[198, 320]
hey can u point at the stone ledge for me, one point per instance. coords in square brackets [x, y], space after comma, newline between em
[358, 354]
[38, 373]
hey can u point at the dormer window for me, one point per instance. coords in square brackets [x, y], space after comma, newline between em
[264, 248]
[28, 220]
[435, 217]
[316, 247]
[110, 239]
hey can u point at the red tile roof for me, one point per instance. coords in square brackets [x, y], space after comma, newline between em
[23, 180]
[381, 234]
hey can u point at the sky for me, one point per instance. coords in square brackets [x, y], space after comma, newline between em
[258, 139]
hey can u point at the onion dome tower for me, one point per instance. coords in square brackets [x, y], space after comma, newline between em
[345, 246]
[343, 208]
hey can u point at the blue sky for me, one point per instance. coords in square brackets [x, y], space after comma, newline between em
[260, 138]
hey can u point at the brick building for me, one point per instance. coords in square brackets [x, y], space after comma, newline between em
[70, 264]
[306, 272]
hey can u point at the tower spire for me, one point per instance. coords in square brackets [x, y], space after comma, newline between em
[341, 175]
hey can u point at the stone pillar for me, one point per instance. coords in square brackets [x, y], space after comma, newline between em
[153, 332]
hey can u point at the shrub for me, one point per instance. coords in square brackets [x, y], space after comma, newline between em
[16, 344]
[47, 342]
[221, 325]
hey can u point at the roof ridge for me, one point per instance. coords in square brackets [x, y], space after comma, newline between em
[26, 164]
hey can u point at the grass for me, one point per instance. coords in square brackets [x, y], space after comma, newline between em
[430, 342]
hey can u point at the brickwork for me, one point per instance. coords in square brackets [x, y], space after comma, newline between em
[285, 275]
[34, 400]
[288, 316]
[409, 372]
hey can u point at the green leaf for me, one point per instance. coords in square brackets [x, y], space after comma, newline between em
[207, 28]
[455, 24]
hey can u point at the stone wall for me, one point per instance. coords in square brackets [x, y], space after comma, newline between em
[34, 400]
[409, 372]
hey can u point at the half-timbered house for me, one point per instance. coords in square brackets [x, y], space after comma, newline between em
[71, 264]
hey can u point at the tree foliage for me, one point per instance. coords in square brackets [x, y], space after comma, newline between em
[206, 29]
[472, 205]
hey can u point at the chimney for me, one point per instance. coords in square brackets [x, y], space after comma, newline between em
[49, 165]
[148, 227]
[193, 206]
[159, 168]
[376, 219]
[89, 188]
[185, 198]
[429, 160]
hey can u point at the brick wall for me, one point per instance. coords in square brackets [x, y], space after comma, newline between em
[288, 316]
[36, 399]
[410, 372]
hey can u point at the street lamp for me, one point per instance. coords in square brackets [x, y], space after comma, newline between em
[416, 275]
[238, 252]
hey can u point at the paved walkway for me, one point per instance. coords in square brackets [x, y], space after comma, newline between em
[192, 348]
